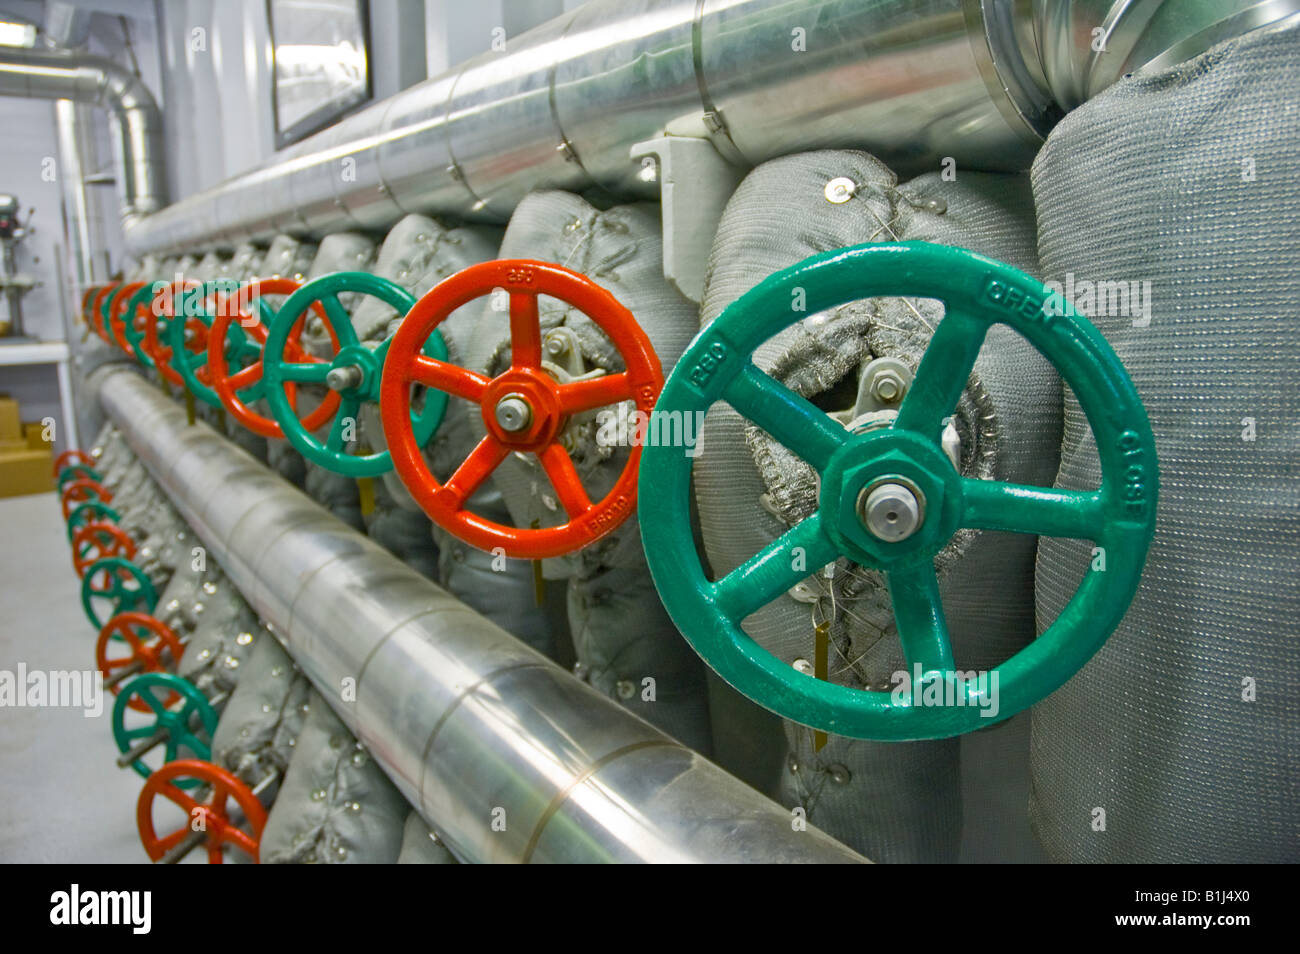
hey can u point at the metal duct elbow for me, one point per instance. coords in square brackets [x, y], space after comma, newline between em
[97, 81]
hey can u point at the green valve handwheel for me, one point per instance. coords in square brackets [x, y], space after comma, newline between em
[353, 372]
[78, 472]
[139, 310]
[188, 337]
[181, 714]
[122, 583]
[90, 512]
[890, 499]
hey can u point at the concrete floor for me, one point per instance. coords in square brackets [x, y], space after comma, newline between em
[62, 799]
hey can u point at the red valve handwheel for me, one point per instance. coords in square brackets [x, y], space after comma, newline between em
[227, 385]
[548, 403]
[117, 313]
[164, 309]
[221, 830]
[94, 541]
[87, 298]
[80, 491]
[146, 638]
[97, 308]
[72, 457]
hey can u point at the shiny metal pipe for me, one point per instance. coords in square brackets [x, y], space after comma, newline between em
[506, 755]
[84, 78]
[912, 81]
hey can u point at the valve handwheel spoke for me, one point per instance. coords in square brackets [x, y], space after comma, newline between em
[222, 787]
[524, 409]
[190, 338]
[178, 710]
[791, 557]
[97, 307]
[890, 499]
[168, 300]
[119, 581]
[153, 645]
[788, 417]
[352, 375]
[77, 472]
[95, 541]
[72, 457]
[242, 321]
[82, 490]
[90, 512]
[119, 306]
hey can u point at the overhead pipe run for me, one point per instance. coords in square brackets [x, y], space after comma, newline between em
[95, 80]
[980, 82]
[506, 755]
[912, 81]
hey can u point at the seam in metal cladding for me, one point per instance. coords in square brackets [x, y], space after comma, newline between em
[581, 779]
[259, 577]
[365, 663]
[455, 704]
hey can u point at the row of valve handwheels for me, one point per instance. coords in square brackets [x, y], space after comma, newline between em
[283, 359]
[240, 348]
[154, 709]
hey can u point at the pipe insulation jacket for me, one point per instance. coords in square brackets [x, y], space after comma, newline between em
[508, 756]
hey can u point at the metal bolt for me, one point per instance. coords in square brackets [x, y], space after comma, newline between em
[839, 774]
[840, 189]
[625, 688]
[803, 666]
[555, 345]
[890, 511]
[888, 387]
[344, 377]
[514, 413]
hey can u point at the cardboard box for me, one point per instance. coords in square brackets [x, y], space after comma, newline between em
[25, 472]
[11, 428]
[35, 433]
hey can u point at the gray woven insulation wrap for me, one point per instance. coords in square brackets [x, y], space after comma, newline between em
[1180, 737]
[335, 805]
[626, 645]
[893, 801]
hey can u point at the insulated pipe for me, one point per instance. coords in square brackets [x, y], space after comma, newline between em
[912, 81]
[506, 755]
[137, 123]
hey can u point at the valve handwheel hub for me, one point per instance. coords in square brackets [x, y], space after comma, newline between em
[182, 725]
[95, 541]
[524, 408]
[891, 499]
[80, 491]
[247, 318]
[351, 376]
[76, 472]
[90, 512]
[222, 787]
[122, 583]
[153, 645]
